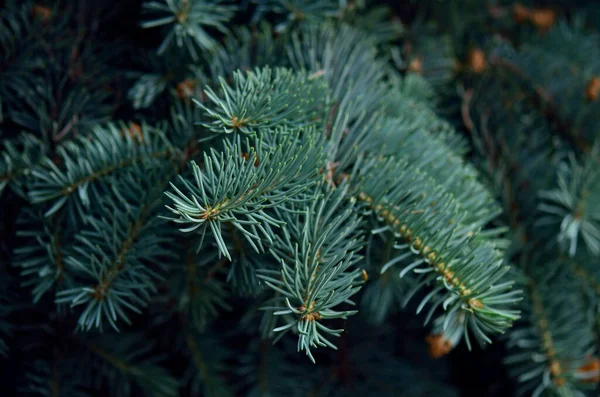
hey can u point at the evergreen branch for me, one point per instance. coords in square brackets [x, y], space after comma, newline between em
[237, 186]
[56, 108]
[19, 50]
[245, 49]
[17, 159]
[119, 253]
[42, 261]
[437, 161]
[585, 276]
[85, 162]
[447, 252]
[264, 371]
[199, 293]
[126, 356]
[265, 99]
[55, 379]
[162, 73]
[573, 204]
[187, 21]
[567, 106]
[300, 11]
[317, 250]
[347, 59]
[517, 172]
[208, 365]
[554, 340]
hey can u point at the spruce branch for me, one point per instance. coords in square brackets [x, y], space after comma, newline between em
[199, 289]
[466, 271]
[436, 160]
[237, 185]
[317, 252]
[85, 162]
[121, 254]
[348, 61]
[187, 21]
[553, 339]
[129, 363]
[265, 99]
[246, 49]
[208, 363]
[19, 50]
[573, 204]
[264, 370]
[300, 11]
[42, 260]
[569, 52]
[17, 159]
[55, 378]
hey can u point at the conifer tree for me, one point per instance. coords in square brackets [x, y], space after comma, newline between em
[312, 198]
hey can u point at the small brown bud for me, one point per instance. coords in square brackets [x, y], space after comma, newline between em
[246, 157]
[42, 12]
[520, 13]
[135, 131]
[593, 89]
[185, 88]
[543, 18]
[416, 65]
[438, 345]
[477, 60]
[590, 371]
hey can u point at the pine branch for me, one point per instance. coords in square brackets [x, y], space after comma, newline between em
[437, 161]
[554, 341]
[127, 360]
[199, 290]
[316, 251]
[120, 254]
[17, 159]
[89, 160]
[265, 99]
[186, 22]
[565, 48]
[208, 365]
[237, 185]
[42, 260]
[446, 251]
[573, 204]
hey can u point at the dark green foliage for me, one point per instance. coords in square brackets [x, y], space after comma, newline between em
[186, 22]
[192, 197]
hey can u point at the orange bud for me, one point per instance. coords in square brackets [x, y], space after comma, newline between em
[246, 156]
[438, 345]
[135, 131]
[593, 89]
[477, 60]
[591, 369]
[42, 12]
[543, 18]
[416, 65]
[521, 13]
[185, 88]
[365, 275]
